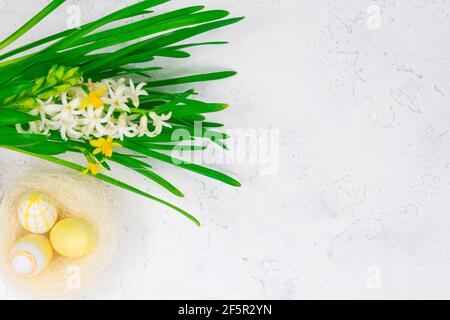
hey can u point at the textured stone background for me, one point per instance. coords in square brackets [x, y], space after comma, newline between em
[359, 207]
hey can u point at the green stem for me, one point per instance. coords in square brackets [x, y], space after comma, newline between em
[31, 23]
[141, 111]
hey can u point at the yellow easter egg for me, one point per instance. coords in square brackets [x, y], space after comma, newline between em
[37, 212]
[30, 255]
[73, 237]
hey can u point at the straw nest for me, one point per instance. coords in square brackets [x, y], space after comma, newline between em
[74, 196]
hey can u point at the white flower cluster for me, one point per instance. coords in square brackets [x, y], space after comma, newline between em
[97, 110]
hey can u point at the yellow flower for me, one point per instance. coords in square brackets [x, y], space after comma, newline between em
[93, 168]
[105, 146]
[94, 98]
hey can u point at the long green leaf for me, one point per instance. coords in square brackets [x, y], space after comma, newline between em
[53, 37]
[139, 167]
[143, 28]
[47, 148]
[171, 147]
[193, 78]
[118, 15]
[31, 23]
[198, 107]
[158, 42]
[20, 140]
[11, 117]
[182, 164]
[138, 25]
[14, 88]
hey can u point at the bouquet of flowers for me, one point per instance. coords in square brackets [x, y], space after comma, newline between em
[90, 90]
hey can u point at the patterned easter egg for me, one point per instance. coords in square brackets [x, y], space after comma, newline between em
[31, 255]
[36, 212]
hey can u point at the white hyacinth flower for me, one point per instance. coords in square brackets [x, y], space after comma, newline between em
[64, 117]
[110, 83]
[33, 128]
[125, 127]
[110, 130]
[68, 128]
[87, 110]
[159, 122]
[44, 109]
[135, 92]
[143, 128]
[94, 119]
[65, 111]
[117, 100]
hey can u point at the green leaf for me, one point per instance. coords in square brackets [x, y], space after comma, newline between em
[155, 43]
[212, 125]
[132, 161]
[200, 132]
[31, 23]
[127, 71]
[47, 148]
[46, 40]
[11, 117]
[51, 38]
[13, 88]
[191, 45]
[142, 193]
[193, 78]
[171, 53]
[170, 147]
[194, 108]
[182, 164]
[20, 140]
[189, 119]
[135, 29]
[139, 166]
[118, 15]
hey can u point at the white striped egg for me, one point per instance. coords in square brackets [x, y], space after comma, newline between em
[30, 255]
